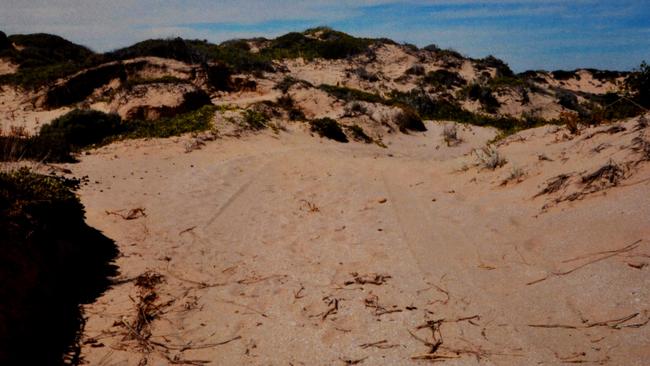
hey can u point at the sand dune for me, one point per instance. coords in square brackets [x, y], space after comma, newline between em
[292, 250]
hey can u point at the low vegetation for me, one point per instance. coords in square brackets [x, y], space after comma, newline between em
[51, 263]
[349, 94]
[489, 157]
[329, 128]
[358, 134]
[255, 120]
[194, 121]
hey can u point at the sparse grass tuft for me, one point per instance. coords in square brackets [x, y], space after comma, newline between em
[489, 157]
[450, 135]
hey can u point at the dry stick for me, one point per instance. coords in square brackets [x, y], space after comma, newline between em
[187, 230]
[613, 324]
[600, 253]
[379, 344]
[243, 306]
[612, 253]
[250, 281]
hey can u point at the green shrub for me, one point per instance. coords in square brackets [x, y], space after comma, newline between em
[329, 44]
[638, 84]
[4, 41]
[502, 69]
[443, 79]
[417, 70]
[329, 128]
[348, 94]
[45, 58]
[255, 120]
[81, 128]
[51, 262]
[288, 82]
[484, 95]
[167, 79]
[197, 120]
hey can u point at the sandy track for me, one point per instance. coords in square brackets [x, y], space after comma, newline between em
[257, 238]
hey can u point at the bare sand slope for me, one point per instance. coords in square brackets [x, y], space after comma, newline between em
[291, 250]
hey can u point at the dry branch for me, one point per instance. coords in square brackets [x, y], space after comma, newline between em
[608, 254]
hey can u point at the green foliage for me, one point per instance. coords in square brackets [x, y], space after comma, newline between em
[417, 70]
[197, 120]
[4, 41]
[255, 120]
[287, 103]
[349, 94]
[484, 95]
[44, 59]
[441, 80]
[51, 263]
[176, 48]
[316, 43]
[329, 128]
[564, 75]
[638, 84]
[502, 69]
[358, 134]
[285, 84]
[81, 128]
[167, 79]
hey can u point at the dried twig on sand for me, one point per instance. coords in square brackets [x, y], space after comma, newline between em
[554, 184]
[372, 301]
[133, 214]
[383, 344]
[309, 206]
[370, 278]
[348, 361]
[609, 175]
[600, 256]
[332, 308]
[617, 323]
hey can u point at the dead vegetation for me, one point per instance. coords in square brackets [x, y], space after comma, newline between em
[450, 135]
[617, 324]
[555, 184]
[370, 278]
[590, 259]
[489, 157]
[132, 214]
[609, 175]
[438, 352]
[309, 206]
[517, 175]
[372, 301]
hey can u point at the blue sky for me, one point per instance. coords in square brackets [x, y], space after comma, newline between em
[527, 34]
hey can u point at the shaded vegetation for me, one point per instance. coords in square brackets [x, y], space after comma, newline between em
[408, 119]
[81, 128]
[502, 69]
[45, 58]
[358, 134]
[349, 94]
[441, 80]
[50, 263]
[329, 128]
